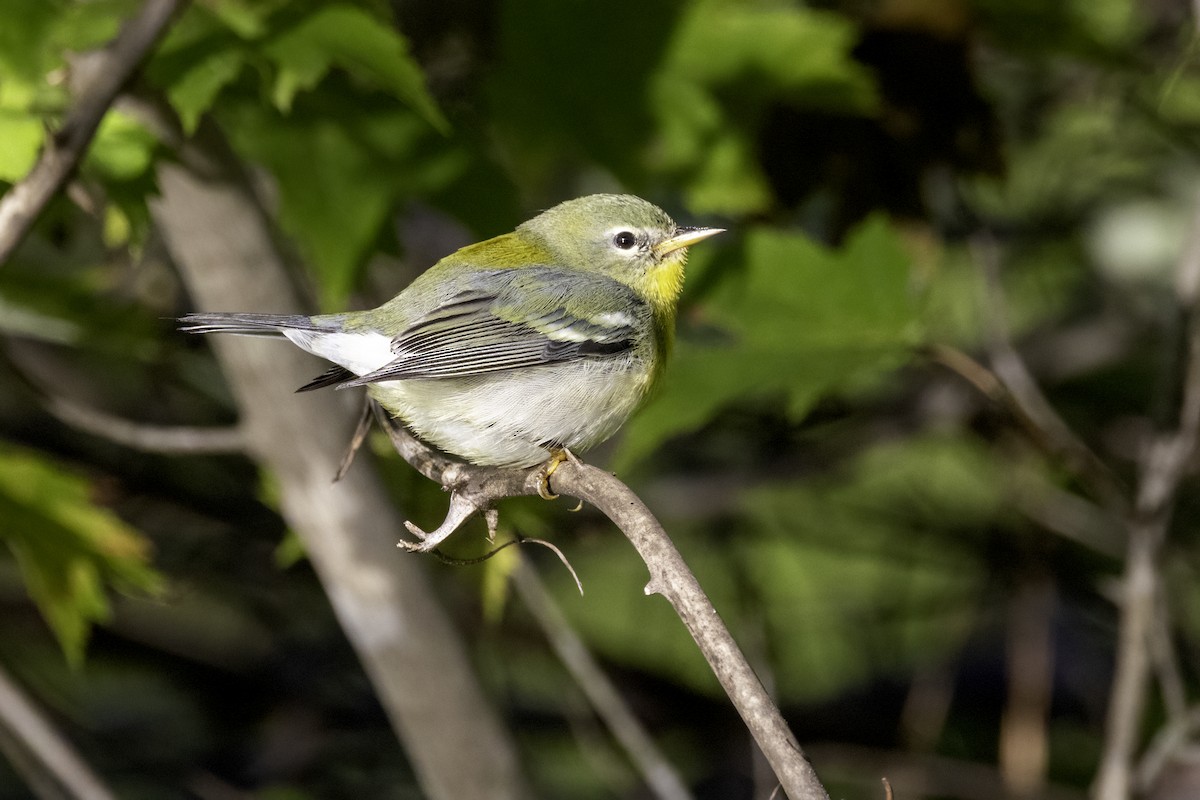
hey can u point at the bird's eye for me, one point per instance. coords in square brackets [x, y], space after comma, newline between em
[625, 240]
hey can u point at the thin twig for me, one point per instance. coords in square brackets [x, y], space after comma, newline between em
[1163, 467]
[454, 561]
[65, 147]
[1027, 398]
[171, 440]
[1167, 743]
[660, 776]
[1164, 659]
[47, 761]
[475, 489]
[918, 775]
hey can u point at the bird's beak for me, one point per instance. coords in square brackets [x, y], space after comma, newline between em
[684, 237]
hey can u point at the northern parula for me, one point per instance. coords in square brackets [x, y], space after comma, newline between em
[518, 348]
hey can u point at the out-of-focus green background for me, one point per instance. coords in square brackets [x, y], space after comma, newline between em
[893, 550]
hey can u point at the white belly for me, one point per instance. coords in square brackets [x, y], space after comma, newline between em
[513, 419]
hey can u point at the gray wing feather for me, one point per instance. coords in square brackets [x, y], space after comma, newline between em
[471, 334]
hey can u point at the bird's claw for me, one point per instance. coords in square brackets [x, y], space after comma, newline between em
[557, 458]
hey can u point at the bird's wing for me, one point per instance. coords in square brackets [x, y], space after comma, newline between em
[517, 318]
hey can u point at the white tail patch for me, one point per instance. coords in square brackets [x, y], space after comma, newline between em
[359, 352]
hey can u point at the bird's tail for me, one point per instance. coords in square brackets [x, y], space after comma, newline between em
[247, 324]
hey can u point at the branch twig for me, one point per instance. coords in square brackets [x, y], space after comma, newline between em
[46, 760]
[1022, 390]
[1163, 467]
[171, 440]
[65, 147]
[474, 490]
[1167, 744]
[658, 773]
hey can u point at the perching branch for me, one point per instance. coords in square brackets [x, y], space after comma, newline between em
[475, 489]
[23, 203]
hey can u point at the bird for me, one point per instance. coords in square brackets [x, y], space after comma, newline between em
[517, 351]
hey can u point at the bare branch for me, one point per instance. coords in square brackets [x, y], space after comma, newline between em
[46, 760]
[917, 775]
[1163, 467]
[1170, 740]
[173, 440]
[65, 147]
[658, 773]
[1021, 390]
[1164, 659]
[478, 488]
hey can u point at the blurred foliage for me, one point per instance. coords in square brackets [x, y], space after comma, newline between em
[67, 547]
[862, 517]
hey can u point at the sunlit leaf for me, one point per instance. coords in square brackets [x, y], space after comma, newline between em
[122, 148]
[195, 91]
[246, 18]
[69, 549]
[797, 321]
[350, 38]
[22, 136]
[24, 37]
[727, 63]
[340, 168]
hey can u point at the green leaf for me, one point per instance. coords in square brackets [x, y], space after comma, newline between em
[123, 148]
[246, 18]
[196, 90]
[572, 79]
[92, 24]
[341, 167]
[623, 624]
[867, 572]
[798, 321]
[24, 37]
[200, 56]
[728, 62]
[69, 549]
[22, 137]
[350, 38]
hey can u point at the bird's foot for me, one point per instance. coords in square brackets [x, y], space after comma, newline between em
[557, 457]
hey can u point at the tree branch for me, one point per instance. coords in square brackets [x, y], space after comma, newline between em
[1168, 742]
[44, 758]
[1021, 389]
[659, 774]
[1163, 467]
[172, 440]
[23, 203]
[475, 489]
[222, 241]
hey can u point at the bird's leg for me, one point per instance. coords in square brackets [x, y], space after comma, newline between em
[557, 456]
